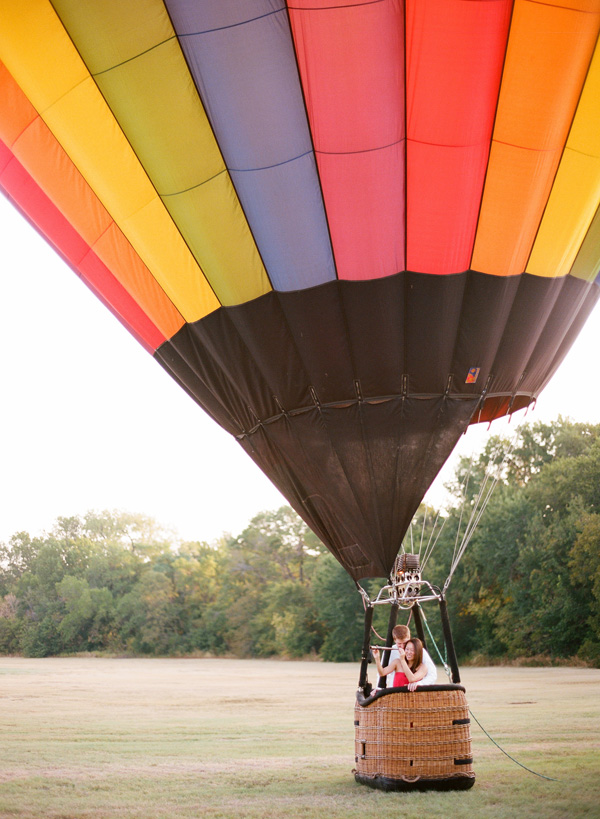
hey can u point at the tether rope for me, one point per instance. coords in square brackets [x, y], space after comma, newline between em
[516, 761]
[449, 673]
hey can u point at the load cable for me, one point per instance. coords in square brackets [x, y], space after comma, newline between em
[479, 505]
[443, 660]
[432, 543]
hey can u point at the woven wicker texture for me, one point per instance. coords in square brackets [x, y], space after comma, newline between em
[413, 735]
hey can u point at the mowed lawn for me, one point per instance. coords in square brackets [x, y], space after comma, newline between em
[91, 737]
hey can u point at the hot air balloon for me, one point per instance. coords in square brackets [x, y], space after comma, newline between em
[347, 229]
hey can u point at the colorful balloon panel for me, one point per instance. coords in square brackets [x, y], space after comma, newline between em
[348, 229]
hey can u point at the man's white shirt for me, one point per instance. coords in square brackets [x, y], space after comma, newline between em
[429, 679]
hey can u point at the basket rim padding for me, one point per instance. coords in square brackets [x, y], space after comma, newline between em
[421, 689]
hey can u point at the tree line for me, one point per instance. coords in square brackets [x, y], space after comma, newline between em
[528, 585]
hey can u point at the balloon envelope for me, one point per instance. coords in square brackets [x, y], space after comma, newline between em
[347, 229]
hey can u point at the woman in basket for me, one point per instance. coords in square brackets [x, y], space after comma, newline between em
[409, 666]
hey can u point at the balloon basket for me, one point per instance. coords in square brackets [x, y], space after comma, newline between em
[418, 740]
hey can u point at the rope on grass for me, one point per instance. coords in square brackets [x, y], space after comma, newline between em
[516, 761]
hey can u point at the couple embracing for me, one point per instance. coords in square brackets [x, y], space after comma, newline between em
[412, 665]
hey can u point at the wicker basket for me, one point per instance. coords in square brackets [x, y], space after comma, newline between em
[414, 740]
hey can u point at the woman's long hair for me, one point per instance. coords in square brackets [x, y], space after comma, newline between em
[418, 658]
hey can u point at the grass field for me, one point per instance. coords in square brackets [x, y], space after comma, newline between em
[89, 737]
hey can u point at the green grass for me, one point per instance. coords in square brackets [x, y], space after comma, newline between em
[89, 737]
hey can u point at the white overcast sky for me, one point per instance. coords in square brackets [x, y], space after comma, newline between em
[88, 420]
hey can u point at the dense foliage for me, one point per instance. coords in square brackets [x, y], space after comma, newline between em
[527, 586]
[116, 582]
[529, 582]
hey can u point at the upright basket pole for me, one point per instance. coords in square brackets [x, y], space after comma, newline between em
[388, 641]
[416, 612]
[362, 682]
[448, 640]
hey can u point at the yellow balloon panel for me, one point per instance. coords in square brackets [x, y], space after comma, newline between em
[120, 30]
[576, 192]
[160, 112]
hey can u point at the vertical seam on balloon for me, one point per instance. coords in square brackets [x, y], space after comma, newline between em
[405, 259]
[564, 148]
[491, 137]
[342, 467]
[484, 385]
[340, 293]
[468, 279]
[225, 372]
[310, 133]
[339, 289]
[227, 169]
[433, 436]
[279, 480]
[337, 286]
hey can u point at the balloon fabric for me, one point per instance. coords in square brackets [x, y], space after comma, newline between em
[347, 229]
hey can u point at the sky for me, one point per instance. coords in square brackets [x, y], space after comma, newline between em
[89, 421]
